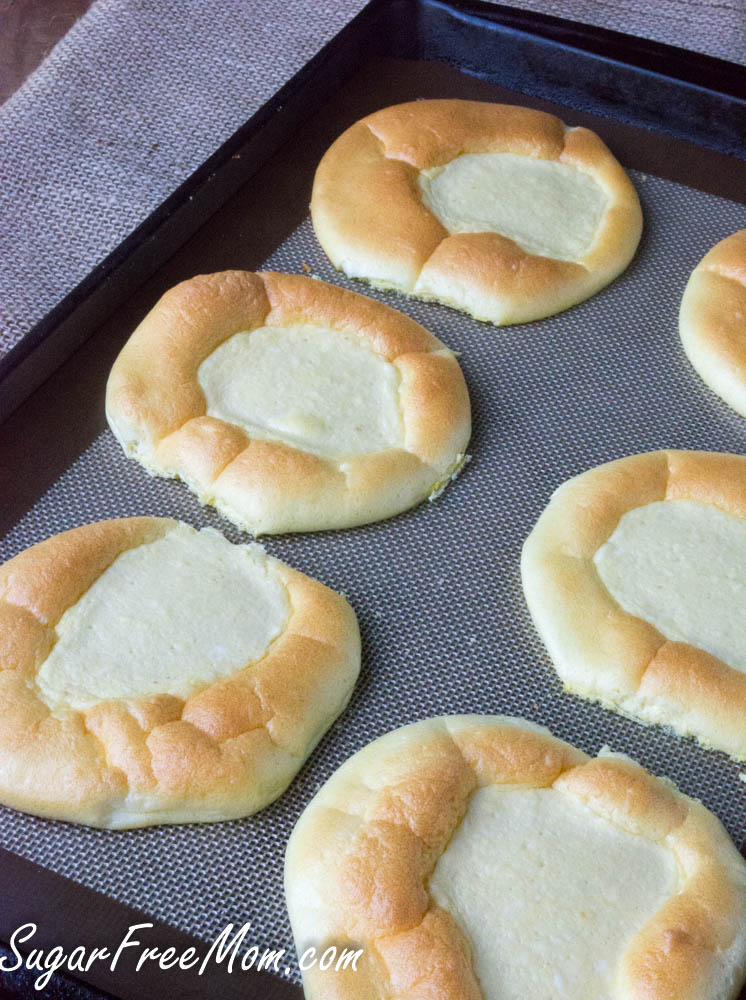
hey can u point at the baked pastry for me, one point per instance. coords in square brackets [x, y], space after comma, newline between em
[152, 673]
[501, 211]
[479, 858]
[289, 404]
[635, 576]
[712, 320]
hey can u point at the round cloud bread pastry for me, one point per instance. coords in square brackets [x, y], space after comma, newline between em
[501, 211]
[289, 404]
[151, 673]
[480, 858]
[635, 576]
[712, 320]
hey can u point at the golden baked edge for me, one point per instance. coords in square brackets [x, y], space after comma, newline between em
[157, 411]
[372, 224]
[359, 857]
[225, 752]
[712, 320]
[600, 651]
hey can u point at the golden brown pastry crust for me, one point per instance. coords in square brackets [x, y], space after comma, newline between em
[370, 219]
[359, 858]
[157, 409]
[601, 651]
[225, 752]
[712, 319]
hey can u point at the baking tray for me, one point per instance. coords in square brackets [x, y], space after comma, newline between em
[436, 590]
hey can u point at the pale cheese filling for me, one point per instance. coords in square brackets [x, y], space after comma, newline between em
[307, 386]
[167, 617]
[680, 565]
[548, 208]
[549, 894]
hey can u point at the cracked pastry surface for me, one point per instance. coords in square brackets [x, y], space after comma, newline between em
[481, 858]
[635, 577]
[712, 320]
[151, 673]
[501, 211]
[288, 403]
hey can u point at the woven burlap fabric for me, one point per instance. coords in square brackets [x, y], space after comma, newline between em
[714, 27]
[132, 100]
[437, 590]
[140, 92]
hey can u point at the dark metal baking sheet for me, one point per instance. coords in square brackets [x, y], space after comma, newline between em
[436, 590]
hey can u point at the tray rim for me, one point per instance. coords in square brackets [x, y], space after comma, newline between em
[683, 65]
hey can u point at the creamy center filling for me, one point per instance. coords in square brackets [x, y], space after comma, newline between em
[548, 894]
[681, 566]
[548, 208]
[168, 617]
[307, 386]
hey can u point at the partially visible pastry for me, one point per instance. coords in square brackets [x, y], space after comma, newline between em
[289, 404]
[501, 211]
[151, 673]
[480, 858]
[635, 576]
[712, 320]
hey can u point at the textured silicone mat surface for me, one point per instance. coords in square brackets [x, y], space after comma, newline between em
[437, 590]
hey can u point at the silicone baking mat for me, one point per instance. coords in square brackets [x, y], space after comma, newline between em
[437, 590]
